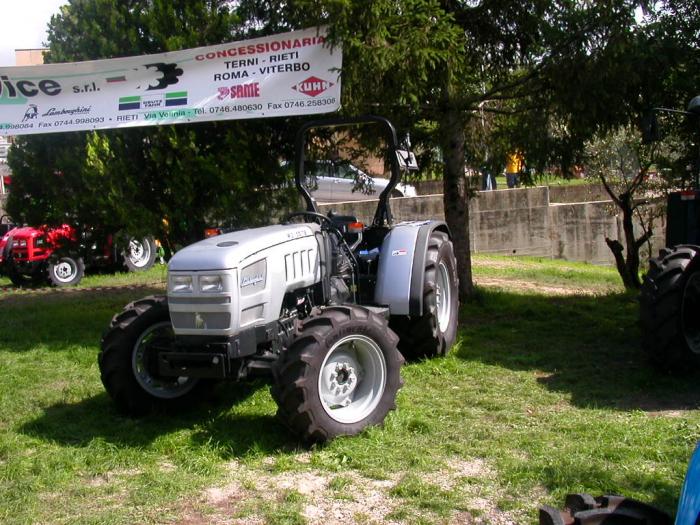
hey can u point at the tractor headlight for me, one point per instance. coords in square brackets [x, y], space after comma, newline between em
[211, 283]
[180, 283]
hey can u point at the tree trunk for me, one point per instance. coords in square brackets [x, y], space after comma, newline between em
[456, 197]
[616, 248]
[632, 259]
[627, 267]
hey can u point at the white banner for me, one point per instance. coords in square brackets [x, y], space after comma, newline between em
[287, 74]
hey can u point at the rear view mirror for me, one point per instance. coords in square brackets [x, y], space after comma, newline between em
[407, 160]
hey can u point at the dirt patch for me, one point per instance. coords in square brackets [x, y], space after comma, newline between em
[515, 263]
[457, 469]
[339, 497]
[677, 405]
[537, 288]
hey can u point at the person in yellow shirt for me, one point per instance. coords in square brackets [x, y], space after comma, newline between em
[514, 166]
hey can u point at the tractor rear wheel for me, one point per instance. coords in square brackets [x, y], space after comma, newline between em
[128, 363]
[140, 254]
[339, 376]
[670, 307]
[433, 333]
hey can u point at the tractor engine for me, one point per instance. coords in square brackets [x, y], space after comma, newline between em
[237, 285]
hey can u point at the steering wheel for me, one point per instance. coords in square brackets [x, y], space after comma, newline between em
[313, 214]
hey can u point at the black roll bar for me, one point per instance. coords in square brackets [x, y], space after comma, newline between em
[383, 214]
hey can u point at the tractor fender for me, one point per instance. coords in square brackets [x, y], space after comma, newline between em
[689, 503]
[401, 266]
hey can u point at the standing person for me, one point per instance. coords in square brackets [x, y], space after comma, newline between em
[488, 179]
[514, 165]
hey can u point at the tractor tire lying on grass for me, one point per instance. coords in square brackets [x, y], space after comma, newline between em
[435, 331]
[670, 308]
[127, 363]
[583, 509]
[339, 376]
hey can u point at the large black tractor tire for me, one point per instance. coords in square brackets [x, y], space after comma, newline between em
[23, 280]
[433, 333]
[140, 254]
[18, 279]
[339, 376]
[66, 271]
[127, 361]
[670, 308]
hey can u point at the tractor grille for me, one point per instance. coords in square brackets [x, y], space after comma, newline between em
[299, 264]
[28, 248]
[196, 309]
[201, 320]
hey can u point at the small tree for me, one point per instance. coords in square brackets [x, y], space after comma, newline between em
[624, 166]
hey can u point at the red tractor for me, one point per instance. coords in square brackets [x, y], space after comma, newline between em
[60, 254]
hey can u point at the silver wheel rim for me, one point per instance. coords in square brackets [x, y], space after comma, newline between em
[162, 388]
[139, 252]
[443, 298]
[352, 379]
[64, 271]
[690, 311]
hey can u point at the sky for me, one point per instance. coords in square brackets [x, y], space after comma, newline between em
[23, 25]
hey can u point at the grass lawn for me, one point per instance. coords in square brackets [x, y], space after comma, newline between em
[546, 393]
[548, 180]
[156, 275]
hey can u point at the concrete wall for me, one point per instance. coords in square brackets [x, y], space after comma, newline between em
[579, 193]
[521, 221]
[428, 187]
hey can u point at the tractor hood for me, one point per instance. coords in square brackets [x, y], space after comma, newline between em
[224, 252]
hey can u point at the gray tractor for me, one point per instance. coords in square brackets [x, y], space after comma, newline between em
[324, 306]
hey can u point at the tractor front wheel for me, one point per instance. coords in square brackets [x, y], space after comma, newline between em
[128, 359]
[66, 271]
[340, 375]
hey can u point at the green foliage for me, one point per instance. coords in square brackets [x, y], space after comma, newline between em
[471, 81]
[224, 173]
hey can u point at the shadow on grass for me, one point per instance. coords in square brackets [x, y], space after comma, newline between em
[60, 321]
[56, 319]
[588, 346]
[211, 421]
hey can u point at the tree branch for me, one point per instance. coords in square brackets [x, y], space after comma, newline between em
[610, 192]
[644, 238]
